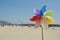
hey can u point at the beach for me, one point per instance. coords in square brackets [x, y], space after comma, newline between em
[28, 33]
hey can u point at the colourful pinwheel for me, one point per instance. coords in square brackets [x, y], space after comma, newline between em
[43, 16]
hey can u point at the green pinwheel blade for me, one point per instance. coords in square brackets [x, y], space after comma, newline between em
[48, 13]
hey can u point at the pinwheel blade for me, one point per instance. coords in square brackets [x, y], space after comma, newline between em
[35, 18]
[49, 19]
[37, 12]
[48, 13]
[43, 10]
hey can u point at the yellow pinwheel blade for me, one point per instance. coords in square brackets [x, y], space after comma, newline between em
[48, 19]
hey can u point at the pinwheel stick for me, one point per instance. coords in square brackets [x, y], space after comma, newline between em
[42, 32]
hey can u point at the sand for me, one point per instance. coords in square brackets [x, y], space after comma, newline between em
[26, 33]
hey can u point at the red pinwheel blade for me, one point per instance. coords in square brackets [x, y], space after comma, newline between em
[35, 18]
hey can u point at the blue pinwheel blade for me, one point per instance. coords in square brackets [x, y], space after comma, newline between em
[43, 10]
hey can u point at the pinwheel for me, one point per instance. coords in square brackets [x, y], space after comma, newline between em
[43, 16]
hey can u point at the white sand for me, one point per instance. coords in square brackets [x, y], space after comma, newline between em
[26, 33]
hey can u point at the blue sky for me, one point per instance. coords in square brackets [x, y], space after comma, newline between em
[18, 11]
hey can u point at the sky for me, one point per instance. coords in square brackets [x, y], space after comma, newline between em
[19, 11]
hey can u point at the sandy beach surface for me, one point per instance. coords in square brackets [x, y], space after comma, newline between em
[26, 33]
